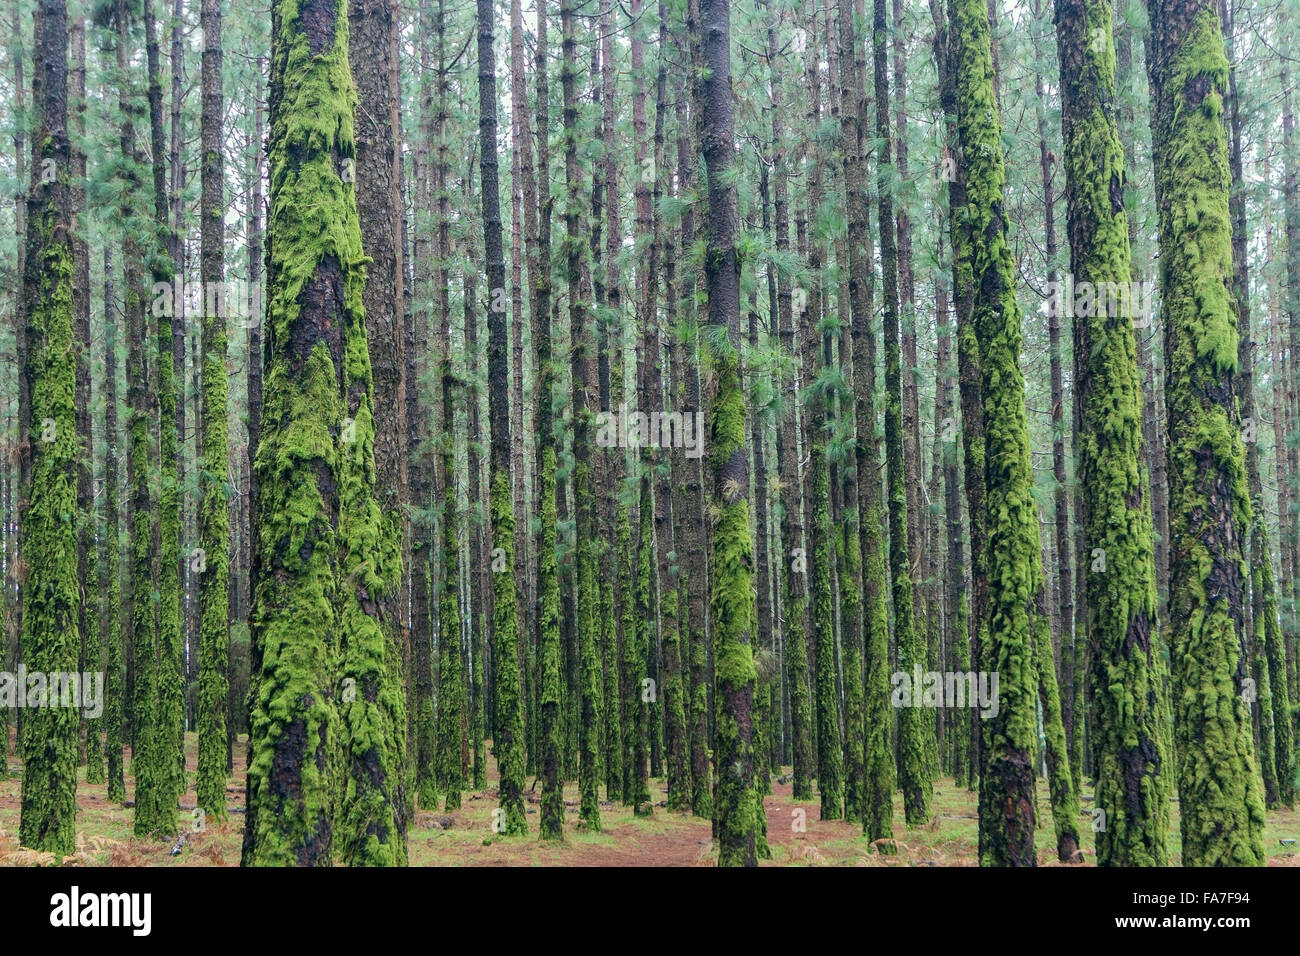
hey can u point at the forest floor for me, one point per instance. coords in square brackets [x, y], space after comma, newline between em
[464, 837]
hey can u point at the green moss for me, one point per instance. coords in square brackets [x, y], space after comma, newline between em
[879, 771]
[612, 741]
[94, 651]
[679, 776]
[451, 678]
[962, 773]
[509, 739]
[301, 599]
[638, 639]
[588, 659]
[1120, 591]
[169, 750]
[147, 763]
[368, 829]
[829, 752]
[551, 826]
[1064, 797]
[1222, 814]
[733, 614]
[213, 583]
[114, 679]
[50, 641]
[1276, 712]
[1014, 573]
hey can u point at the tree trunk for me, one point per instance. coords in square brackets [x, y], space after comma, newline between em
[49, 543]
[214, 520]
[1222, 813]
[733, 614]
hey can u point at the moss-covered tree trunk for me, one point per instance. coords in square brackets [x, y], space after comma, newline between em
[114, 679]
[50, 642]
[610, 365]
[1124, 687]
[794, 562]
[1062, 606]
[373, 27]
[1014, 572]
[214, 515]
[509, 722]
[89, 615]
[1268, 657]
[968, 375]
[451, 667]
[167, 752]
[731, 598]
[914, 722]
[550, 676]
[1289, 539]
[1222, 812]
[141, 613]
[321, 557]
[667, 465]
[589, 682]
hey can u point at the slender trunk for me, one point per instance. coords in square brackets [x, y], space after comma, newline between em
[1014, 570]
[49, 544]
[214, 624]
[734, 675]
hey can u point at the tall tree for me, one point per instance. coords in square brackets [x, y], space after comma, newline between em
[142, 617]
[114, 681]
[731, 599]
[164, 758]
[318, 525]
[550, 730]
[48, 392]
[794, 564]
[1268, 657]
[1222, 812]
[451, 667]
[214, 517]
[1014, 572]
[509, 733]
[88, 617]
[373, 58]
[914, 722]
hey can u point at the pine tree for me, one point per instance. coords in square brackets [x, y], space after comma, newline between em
[509, 733]
[1014, 572]
[731, 601]
[1127, 757]
[214, 620]
[1268, 658]
[794, 577]
[114, 679]
[451, 669]
[310, 458]
[373, 58]
[145, 764]
[89, 613]
[48, 392]
[1222, 813]
[550, 727]
[849, 542]
[914, 722]
[166, 752]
